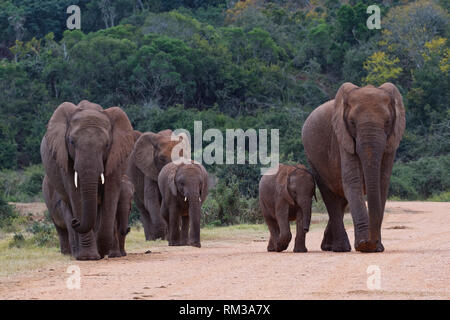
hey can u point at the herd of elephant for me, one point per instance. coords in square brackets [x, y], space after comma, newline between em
[96, 165]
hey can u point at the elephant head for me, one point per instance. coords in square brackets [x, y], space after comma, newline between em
[299, 189]
[369, 122]
[154, 150]
[88, 144]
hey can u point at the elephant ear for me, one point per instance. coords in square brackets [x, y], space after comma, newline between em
[122, 139]
[56, 133]
[338, 121]
[282, 182]
[204, 191]
[399, 112]
[144, 153]
[172, 176]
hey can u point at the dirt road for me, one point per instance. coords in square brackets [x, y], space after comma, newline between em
[415, 265]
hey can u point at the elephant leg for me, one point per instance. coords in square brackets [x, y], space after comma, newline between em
[87, 249]
[300, 235]
[145, 217]
[282, 216]
[184, 230]
[72, 235]
[273, 229]
[386, 170]
[335, 237]
[115, 252]
[157, 227]
[106, 239]
[63, 240]
[174, 226]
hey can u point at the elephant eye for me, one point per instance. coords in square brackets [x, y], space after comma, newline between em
[71, 141]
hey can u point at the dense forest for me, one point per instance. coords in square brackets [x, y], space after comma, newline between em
[231, 64]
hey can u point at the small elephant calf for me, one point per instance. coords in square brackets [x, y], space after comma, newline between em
[286, 196]
[183, 187]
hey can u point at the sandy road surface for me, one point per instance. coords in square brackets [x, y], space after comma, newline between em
[415, 265]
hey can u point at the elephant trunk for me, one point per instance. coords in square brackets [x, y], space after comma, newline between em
[370, 148]
[89, 200]
[194, 220]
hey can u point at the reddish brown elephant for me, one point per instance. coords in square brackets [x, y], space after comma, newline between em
[286, 196]
[351, 143]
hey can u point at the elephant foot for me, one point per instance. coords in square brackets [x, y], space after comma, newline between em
[325, 246]
[380, 247]
[366, 246]
[114, 254]
[88, 256]
[341, 246]
[123, 253]
[300, 249]
[271, 247]
[195, 244]
[282, 246]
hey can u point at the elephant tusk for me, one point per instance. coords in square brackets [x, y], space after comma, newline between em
[103, 178]
[199, 199]
[185, 199]
[75, 179]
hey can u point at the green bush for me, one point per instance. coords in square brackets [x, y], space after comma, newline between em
[225, 206]
[44, 234]
[442, 197]
[421, 179]
[8, 216]
[18, 241]
[22, 186]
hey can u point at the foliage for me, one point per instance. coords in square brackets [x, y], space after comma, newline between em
[7, 214]
[421, 179]
[231, 64]
[381, 69]
[22, 186]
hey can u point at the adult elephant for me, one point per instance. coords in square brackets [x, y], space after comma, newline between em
[350, 143]
[84, 153]
[152, 151]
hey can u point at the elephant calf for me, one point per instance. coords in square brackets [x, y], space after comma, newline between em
[183, 187]
[286, 196]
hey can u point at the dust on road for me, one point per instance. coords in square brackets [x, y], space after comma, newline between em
[415, 265]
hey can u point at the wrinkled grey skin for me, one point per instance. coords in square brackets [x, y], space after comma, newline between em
[90, 141]
[152, 151]
[184, 188]
[350, 143]
[283, 197]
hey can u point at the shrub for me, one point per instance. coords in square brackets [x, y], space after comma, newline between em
[44, 234]
[22, 186]
[7, 216]
[419, 180]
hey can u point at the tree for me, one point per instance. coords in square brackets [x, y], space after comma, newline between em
[380, 69]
